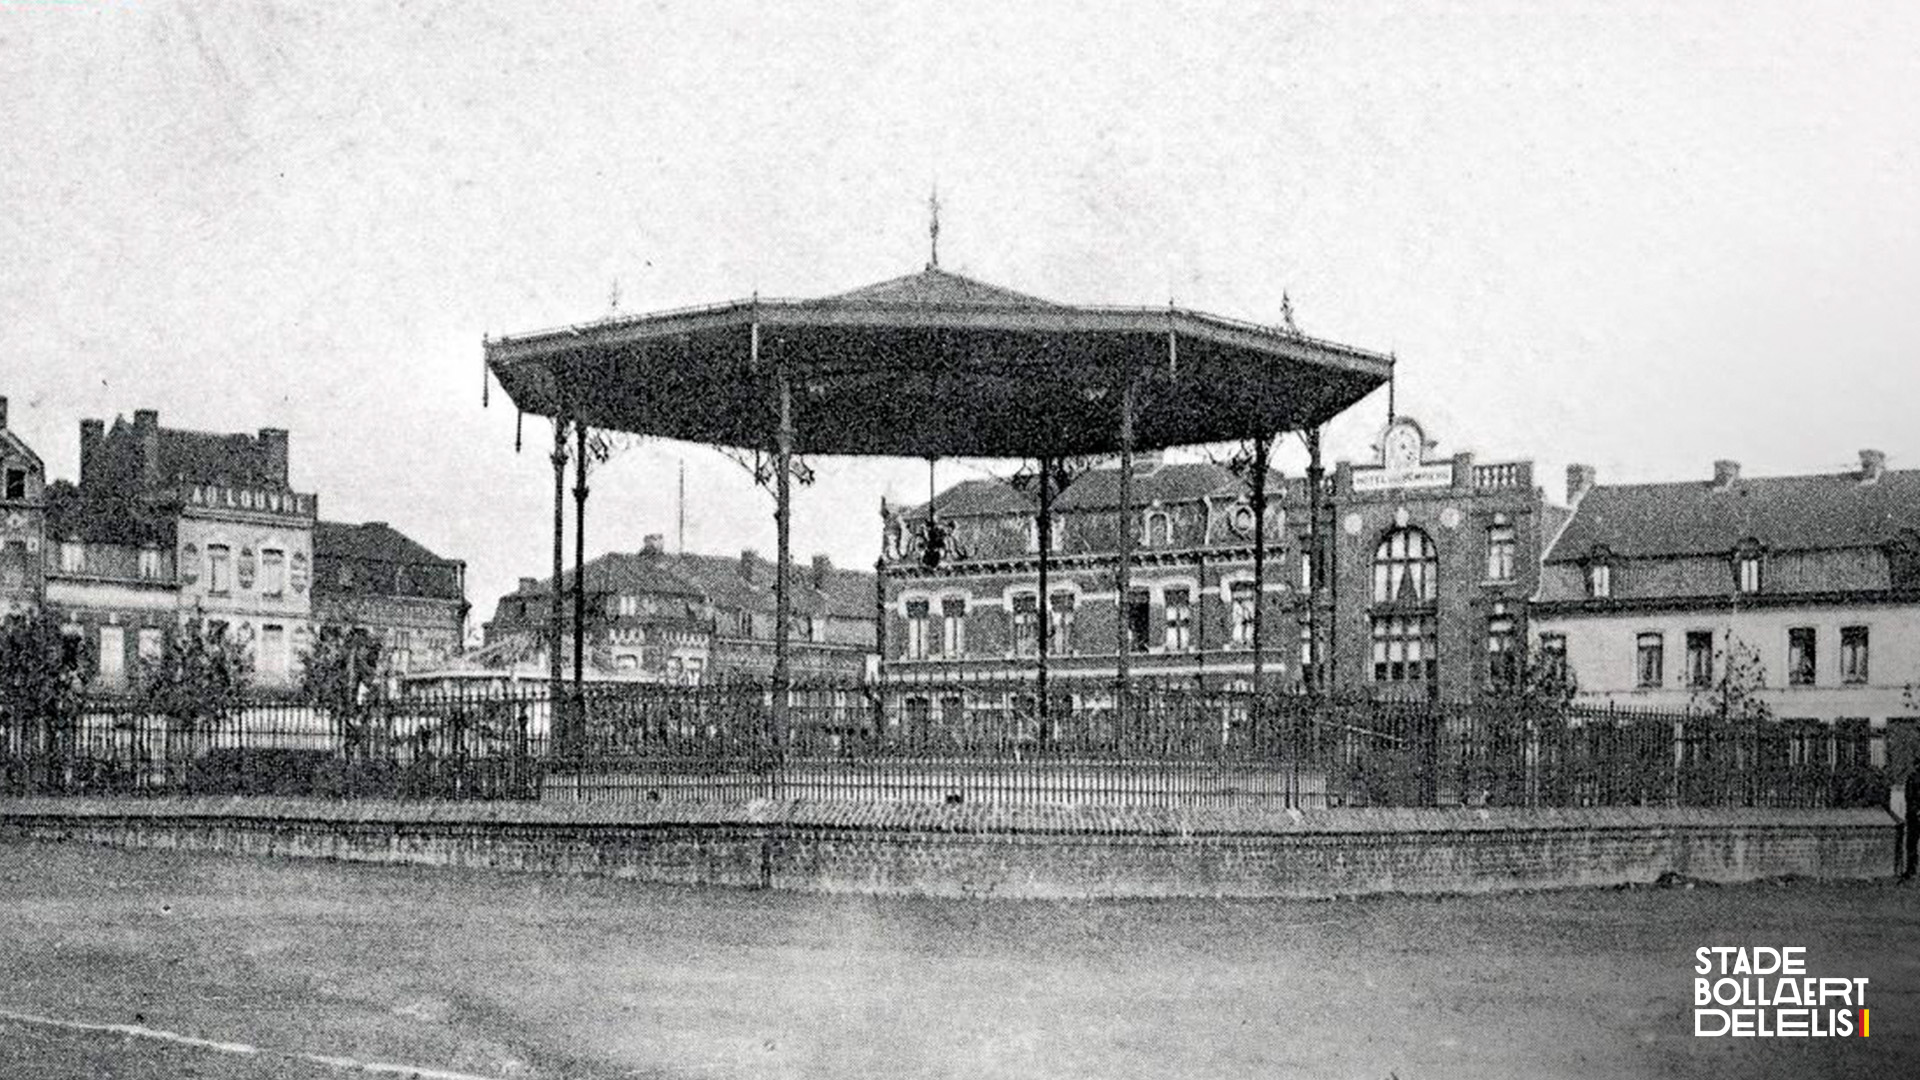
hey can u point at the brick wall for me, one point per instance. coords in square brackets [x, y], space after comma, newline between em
[983, 851]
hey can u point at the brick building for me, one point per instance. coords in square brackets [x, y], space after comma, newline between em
[1428, 567]
[373, 577]
[1815, 579]
[1433, 560]
[973, 612]
[660, 616]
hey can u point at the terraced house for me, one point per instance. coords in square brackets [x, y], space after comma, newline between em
[1814, 580]
[659, 616]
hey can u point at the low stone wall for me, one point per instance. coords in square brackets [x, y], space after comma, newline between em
[972, 850]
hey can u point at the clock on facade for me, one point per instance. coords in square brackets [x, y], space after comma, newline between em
[1401, 447]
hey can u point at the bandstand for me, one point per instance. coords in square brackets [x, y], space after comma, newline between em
[927, 366]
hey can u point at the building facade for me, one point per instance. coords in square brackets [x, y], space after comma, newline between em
[170, 527]
[372, 577]
[679, 618]
[1808, 586]
[23, 482]
[970, 609]
[1423, 582]
[1432, 563]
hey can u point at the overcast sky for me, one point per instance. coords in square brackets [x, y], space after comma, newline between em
[1640, 237]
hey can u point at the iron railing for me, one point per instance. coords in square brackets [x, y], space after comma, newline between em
[1149, 743]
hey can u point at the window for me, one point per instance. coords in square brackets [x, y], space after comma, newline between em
[1139, 620]
[1060, 624]
[1500, 546]
[1853, 654]
[1405, 569]
[1306, 652]
[13, 563]
[113, 656]
[273, 572]
[953, 626]
[919, 717]
[150, 643]
[917, 629]
[1241, 613]
[1159, 529]
[1403, 649]
[150, 564]
[1699, 658]
[73, 556]
[1802, 656]
[1599, 580]
[1502, 659]
[16, 483]
[1306, 571]
[273, 650]
[1179, 614]
[1651, 657]
[219, 568]
[1026, 624]
[72, 647]
[629, 606]
[1553, 652]
[1748, 572]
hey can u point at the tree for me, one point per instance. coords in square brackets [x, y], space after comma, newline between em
[1539, 680]
[43, 678]
[339, 673]
[1737, 694]
[200, 676]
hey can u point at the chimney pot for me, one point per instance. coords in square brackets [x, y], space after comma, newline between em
[822, 569]
[1580, 480]
[652, 544]
[528, 584]
[1872, 462]
[749, 563]
[1725, 473]
[146, 418]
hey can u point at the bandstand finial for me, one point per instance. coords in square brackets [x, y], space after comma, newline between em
[933, 228]
[1286, 311]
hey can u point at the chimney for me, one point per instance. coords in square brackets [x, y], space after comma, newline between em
[529, 585]
[653, 544]
[1725, 473]
[273, 450]
[1580, 480]
[749, 565]
[3, 413]
[93, 434]
[146, 432]
[1872, 462]
[822, 569]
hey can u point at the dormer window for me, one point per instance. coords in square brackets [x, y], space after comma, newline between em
[1599, 581]
[1747, 568]
[16, 483]
[1159, 529]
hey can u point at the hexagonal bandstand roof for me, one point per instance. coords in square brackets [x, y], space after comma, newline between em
[934, 364]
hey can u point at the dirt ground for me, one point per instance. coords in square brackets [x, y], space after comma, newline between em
[499, 975]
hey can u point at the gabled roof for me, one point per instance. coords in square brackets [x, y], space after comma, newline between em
[1785, 513]
[1191, 482]
[374, 541]
[720, 581]
[101, 519]
[976, 497]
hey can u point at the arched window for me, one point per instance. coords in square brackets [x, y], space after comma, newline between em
[1405, 568]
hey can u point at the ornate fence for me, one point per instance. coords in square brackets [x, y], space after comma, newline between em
[1153, 744]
